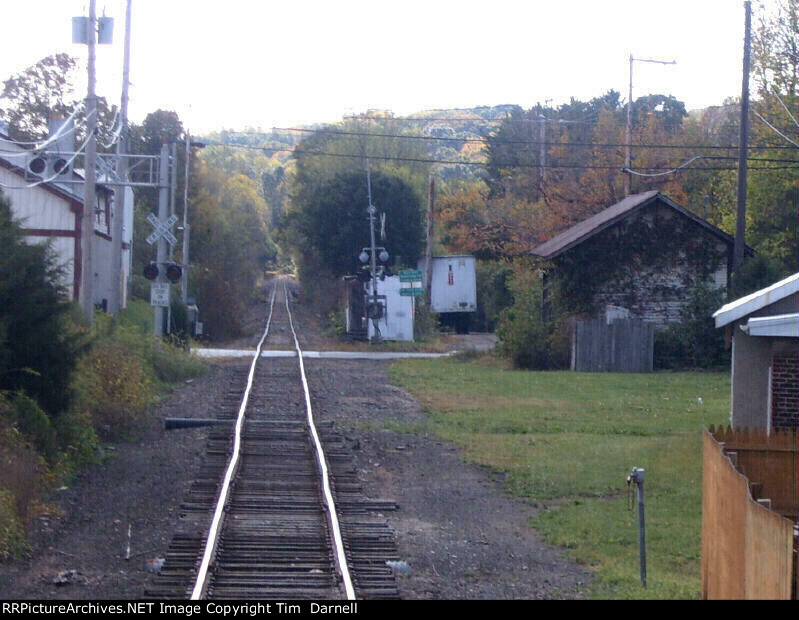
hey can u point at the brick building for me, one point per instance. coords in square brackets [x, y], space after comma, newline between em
[763, 328]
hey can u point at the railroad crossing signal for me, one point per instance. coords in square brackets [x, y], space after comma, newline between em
[162, 229]
[172, 271]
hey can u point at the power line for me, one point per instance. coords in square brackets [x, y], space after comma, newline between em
[506, 165]
[66, 128]
[492, 141]
[471, 120]
[777, 131]
[56, 175]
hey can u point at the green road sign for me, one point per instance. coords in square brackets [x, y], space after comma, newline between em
[411, 292]
[410, 275]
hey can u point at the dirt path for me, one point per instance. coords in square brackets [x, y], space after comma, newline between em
[460, 535]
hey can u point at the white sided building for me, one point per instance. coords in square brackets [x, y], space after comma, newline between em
[397, 322]
[51, 212]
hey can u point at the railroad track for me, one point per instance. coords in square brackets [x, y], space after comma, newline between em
[276, 511]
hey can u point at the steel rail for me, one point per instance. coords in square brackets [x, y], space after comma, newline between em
[341, 557]
[216, 523]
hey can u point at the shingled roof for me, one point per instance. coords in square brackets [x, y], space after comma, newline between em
[610, 216]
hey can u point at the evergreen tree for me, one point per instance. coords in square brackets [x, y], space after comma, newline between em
[37, 351]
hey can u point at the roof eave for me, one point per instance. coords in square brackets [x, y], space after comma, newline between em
[753, 302]
[544, 252]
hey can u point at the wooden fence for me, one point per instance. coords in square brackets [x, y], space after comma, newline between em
[620, 346]
[749, 487]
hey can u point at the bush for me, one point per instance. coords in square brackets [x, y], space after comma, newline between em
[694, 342]
[113, 384]
[121, 375]
[337, 321]
[524, 337]
[25, 414]
[758, 272]
[170, 361]
[493, 294]
[321, 289]
[425, 321]
[12, 531]
[668, 350]
[140, 287]
[21, 473]
[77, 440]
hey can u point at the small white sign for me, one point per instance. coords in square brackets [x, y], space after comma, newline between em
[159, 294]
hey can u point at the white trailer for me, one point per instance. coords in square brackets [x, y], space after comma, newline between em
[454, 288]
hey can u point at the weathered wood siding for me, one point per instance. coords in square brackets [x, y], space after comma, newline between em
[656, 294]
[618, 346]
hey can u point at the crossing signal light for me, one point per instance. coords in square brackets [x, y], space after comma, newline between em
[37, 165]
[173, 272]
[151, 271]
[46, 165]
[364, 275]
[60, 166]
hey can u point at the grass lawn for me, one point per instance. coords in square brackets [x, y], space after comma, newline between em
[567, 442]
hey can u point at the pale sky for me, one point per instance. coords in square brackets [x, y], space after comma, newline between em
[263, 64]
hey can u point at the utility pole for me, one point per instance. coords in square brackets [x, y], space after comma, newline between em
[163, 206]
[740, 224]
[173, 181]
[371, 210]
[184, 283]
[542, 155]
[628, 151]
[428, 264]
[117, 292]
[89, 190]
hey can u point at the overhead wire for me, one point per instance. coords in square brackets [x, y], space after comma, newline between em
[57, 174]
[661, 174]
[65, 128]
[777, 131]
[461, 119]
[473, 163]
[116, 122]
[785, 107]
[493, 140]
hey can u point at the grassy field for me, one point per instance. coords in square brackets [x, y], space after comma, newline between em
[567, 442]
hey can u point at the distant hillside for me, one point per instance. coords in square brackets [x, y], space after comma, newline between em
[455, 135]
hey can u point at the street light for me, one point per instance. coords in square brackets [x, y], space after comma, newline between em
[628, 153]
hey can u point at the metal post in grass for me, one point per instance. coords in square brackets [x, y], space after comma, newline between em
[637, 477]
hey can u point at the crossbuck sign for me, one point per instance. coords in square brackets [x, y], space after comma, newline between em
[162, 229]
